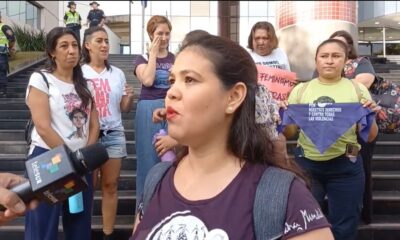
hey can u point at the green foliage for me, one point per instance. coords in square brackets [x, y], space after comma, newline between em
[29, 39]
[392, 49]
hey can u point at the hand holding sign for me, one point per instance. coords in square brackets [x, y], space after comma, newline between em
[279, 82]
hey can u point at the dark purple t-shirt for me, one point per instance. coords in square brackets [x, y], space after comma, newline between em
[161, 84]
[229, 215]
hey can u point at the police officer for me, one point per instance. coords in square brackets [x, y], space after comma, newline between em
[7, 41]
[72, 20]
[96, 16]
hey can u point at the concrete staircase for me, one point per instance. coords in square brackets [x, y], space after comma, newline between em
[14, 113]
[390, 70]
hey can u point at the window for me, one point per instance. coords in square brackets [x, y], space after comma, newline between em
[15, 11]
[32, 13]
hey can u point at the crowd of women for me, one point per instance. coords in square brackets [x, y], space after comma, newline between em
[222, 126]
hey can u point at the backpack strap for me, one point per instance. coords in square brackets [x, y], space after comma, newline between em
[301, 91]
[270, 203]
[153, 178]
[44, 78]
[357, 88]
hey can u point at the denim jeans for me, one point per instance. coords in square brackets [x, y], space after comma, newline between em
[343, 182]
[115, 144]
[3, 71]
[145, 129]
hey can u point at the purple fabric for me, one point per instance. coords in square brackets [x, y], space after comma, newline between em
[161, 84]
[229, 213]
[324, 123]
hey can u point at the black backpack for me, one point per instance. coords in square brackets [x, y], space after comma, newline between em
[30, 125]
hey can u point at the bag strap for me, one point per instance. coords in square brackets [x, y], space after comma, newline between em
[153, 178]
[301, 91]
[270, 203]
[44, 78]
[357, 88]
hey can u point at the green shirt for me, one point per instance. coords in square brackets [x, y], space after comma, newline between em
[342, 91]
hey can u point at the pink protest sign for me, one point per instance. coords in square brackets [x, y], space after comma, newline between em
[279, 82]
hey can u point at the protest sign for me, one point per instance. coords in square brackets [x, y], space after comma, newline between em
[279, 82]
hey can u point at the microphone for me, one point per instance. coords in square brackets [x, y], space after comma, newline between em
[58, 174]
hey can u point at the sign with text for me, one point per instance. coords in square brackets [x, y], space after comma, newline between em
[279, 82]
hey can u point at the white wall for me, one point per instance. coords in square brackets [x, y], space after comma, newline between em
[49, 15]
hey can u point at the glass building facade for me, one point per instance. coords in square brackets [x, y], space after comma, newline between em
[185, 16]
[22, 12]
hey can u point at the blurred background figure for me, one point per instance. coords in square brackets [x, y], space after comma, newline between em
[96, 16]
[72, 20]
[7, 42]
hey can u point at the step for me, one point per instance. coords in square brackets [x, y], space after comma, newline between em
[20, 123]
[386, 202]
[126, 203]
[127, 179]
[12, 135]
[383, 227]
[383, 162]
[387, 147]
[386, 180]
[16, 162]
[123, 227]
[19, 134]
[25, 114]
[19, 147]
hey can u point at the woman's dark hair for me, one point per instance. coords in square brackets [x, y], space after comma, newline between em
[332, 40]
[273, 39]
[350, 43]
[75, 111]
[79, 81]
[233, 64]
[193, 35]
[87, 37]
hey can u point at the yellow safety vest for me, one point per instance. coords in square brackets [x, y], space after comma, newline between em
[72, 18]
[3, 37]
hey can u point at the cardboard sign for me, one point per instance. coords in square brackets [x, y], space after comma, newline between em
[279, 82]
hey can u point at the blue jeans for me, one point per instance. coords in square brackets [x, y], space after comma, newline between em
[115, 144]
[343, 182]
[42, 223]
[3, 71]
[145, 129]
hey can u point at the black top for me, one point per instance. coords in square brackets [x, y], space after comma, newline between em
[95, 17]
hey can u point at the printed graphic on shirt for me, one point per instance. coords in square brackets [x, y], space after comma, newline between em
[183, 226]
[161, 79]
[164, 66]
[324, 99]
[350, 67]
[102, 96]
[307, 219]
[273, 64]
[79, 119]
[77, 115]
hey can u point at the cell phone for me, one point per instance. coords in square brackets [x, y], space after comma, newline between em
[298, 152]
[352, 150]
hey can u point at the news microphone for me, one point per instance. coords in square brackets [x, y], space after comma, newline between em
[58, 174]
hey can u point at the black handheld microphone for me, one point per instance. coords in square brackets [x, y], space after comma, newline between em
[58, 174]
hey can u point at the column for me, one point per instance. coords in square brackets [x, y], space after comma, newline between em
[303, 25]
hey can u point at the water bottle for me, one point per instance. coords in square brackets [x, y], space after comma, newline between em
[75, 203]
[169, 155]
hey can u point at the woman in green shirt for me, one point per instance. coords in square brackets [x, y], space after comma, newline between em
[335, 172]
